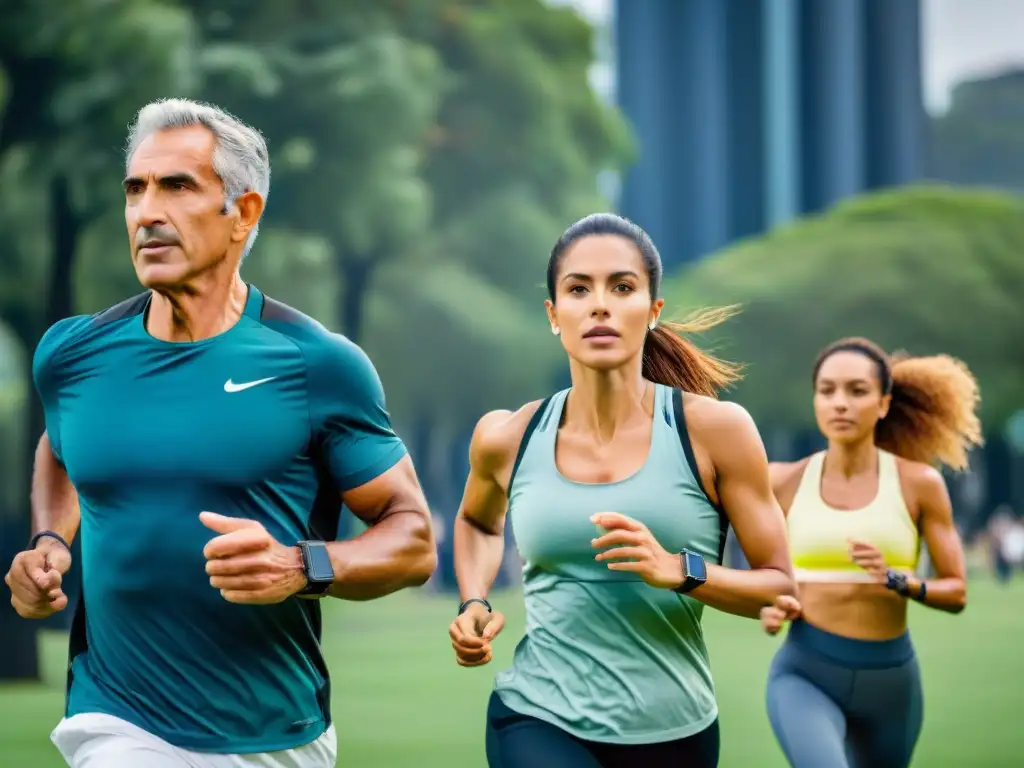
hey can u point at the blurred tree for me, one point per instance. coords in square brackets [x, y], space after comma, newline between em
[344, 102]
[12, 406]
[926, 269]
[73, 73]
[69, 97]
[514, 158]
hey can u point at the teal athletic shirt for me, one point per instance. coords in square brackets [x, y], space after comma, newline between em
[271, 421]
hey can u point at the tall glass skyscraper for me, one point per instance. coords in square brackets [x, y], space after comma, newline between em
[751, 112]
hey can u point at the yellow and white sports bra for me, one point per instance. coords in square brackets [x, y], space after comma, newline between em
[818, 533]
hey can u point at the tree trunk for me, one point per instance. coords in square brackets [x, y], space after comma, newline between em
[18, 637]
[420, 442]
[67, 227]
[67, 230]
[355, 275]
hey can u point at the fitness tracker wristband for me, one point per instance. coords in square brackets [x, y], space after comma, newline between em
[47, 535]
[482, 601]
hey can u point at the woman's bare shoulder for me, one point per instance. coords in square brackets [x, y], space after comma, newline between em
[498, 434]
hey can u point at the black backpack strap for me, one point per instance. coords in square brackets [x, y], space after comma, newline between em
[691, 460]
[531, 427]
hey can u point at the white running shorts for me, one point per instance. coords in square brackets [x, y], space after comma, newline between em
[102, 741]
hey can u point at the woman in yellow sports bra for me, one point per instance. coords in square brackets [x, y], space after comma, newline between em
[844, 689]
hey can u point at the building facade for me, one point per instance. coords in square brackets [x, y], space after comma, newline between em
[749, 113]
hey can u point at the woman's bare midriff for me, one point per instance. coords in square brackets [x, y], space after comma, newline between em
[860, 611]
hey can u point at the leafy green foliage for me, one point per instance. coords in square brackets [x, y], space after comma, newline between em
[514, 157]
[74, 72]
[927, 269]
[345, 102]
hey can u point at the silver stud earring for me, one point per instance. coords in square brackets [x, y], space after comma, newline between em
[555, 330]
[652, 325]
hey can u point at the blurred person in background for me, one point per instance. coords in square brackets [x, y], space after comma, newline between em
[203, 437]
[845, 688]
[1006, 543]
[620, 489]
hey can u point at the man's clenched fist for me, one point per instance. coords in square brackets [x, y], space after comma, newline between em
[36, 577]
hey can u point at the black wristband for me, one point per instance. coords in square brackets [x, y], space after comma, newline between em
[484, 603]
[47, 534]
[923, 594]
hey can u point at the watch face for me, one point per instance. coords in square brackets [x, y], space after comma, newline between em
[318, 567]
[695, 567]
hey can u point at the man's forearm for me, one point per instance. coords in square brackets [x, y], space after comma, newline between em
[743, 592]
[396, 553]
[54, 499]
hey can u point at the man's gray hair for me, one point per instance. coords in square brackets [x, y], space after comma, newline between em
[240, 155]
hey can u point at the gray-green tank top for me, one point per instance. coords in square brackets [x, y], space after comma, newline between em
[606, 657]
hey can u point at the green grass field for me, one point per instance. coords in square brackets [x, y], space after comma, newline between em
[400, 700]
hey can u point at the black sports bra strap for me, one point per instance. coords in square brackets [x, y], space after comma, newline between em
[691, 460]
[531, 427]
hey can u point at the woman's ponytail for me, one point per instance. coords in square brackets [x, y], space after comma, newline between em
[675, 361]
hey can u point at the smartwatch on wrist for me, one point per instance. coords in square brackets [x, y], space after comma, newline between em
[900, 584]
[695, 571]
[317, 567]
[897, 582]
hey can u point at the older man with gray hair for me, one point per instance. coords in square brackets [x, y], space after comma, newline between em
[202, 437]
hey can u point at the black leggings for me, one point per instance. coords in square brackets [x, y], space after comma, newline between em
[521, 741]
[836, 702]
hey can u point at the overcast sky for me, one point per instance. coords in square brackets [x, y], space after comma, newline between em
[962, 38]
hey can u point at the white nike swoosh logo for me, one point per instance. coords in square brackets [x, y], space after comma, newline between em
[230, 386]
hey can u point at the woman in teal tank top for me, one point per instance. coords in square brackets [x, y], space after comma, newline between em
[620, 490]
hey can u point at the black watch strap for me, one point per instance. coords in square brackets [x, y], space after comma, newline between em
[315, 588]
[47, 535]
[482, 601]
